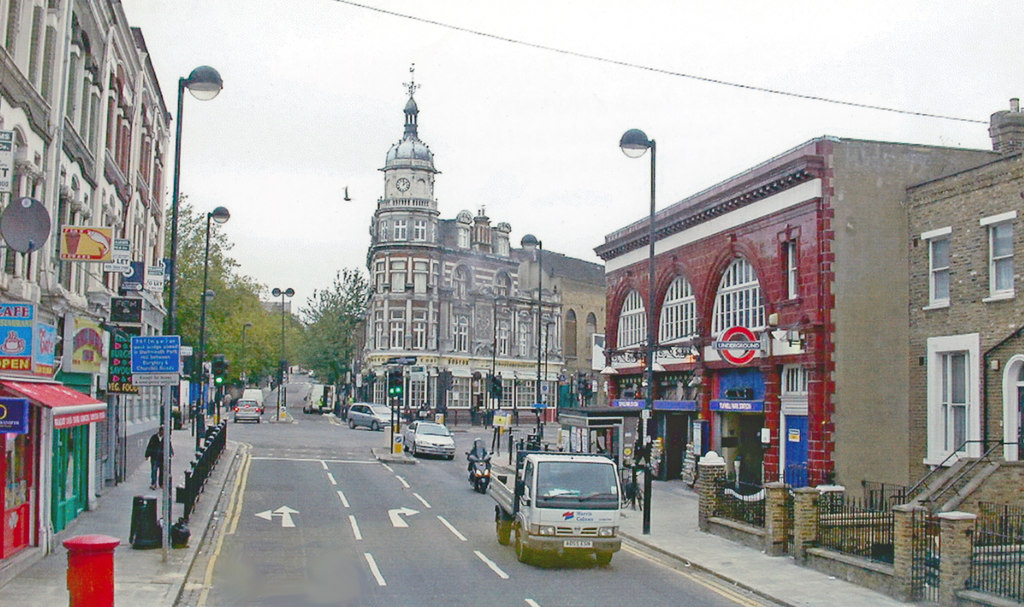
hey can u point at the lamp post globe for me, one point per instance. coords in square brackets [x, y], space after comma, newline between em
[634, 143]
[220, 215]
[204, 83]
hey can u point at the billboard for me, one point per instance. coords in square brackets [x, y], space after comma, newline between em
[16, 323]
[86, 243]
[85, 354]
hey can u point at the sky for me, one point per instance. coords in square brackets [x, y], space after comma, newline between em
[523, 104]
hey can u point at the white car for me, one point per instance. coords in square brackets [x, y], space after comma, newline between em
[428, 438]
[247, 410]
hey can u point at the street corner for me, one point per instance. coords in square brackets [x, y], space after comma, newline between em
[383, 454]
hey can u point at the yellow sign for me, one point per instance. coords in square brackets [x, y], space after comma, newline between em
[86, 243]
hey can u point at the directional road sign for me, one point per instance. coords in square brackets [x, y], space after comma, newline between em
[156, 354]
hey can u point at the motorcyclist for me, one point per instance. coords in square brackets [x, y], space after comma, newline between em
[477, 453]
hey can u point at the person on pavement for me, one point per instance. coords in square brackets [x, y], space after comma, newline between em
[155, 454]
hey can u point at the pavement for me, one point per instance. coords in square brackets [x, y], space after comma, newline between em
[142, 578]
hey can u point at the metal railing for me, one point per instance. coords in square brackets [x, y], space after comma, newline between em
[199, 470]
[925, 557]
[960, 453]
[997, 561]
[881, 495]
[741, 502]
[857, 528]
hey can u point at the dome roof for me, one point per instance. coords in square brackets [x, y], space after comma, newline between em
[410, 152]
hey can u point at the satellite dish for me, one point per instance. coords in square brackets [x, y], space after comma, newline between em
[25, 225]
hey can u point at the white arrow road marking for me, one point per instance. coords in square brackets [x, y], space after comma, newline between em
[396, 516]
[284, 512]
[344, 502]
[330, 477]
[355, 527]
[451, 528]
[491, 564]
[402, 480]
[423, 501]
[374, 570]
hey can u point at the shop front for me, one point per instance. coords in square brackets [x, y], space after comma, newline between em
[16, 471]
[739, 418]
[62, 439]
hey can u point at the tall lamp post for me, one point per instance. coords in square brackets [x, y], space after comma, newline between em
[634, 143]
[220, 215]
[243, 374]
[280, 385]
[530, 242]
[204, 83]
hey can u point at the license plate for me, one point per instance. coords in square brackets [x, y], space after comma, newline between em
[578, 544]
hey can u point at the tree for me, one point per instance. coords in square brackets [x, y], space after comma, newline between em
[333, 319]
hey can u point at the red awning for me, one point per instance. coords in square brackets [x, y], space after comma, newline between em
[70, 407]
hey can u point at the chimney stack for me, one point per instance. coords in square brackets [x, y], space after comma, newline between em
[1006, 128]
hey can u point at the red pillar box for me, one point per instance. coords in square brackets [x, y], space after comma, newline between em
[91, 570]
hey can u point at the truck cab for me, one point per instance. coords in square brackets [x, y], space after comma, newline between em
[559, 504]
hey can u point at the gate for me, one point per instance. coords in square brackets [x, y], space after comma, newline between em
[924, 573]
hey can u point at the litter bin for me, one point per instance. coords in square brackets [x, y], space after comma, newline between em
[145, 531]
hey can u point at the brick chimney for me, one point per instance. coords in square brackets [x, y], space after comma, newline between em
[1006, 128]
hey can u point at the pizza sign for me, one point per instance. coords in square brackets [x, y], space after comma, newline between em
[738, 345]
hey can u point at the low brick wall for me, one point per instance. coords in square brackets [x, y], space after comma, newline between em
[741, 533]
[876, 576]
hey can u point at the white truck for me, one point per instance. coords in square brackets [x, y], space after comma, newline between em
[558, 504]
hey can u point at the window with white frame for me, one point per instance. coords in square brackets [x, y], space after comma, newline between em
[679, 312]
[397, 276]
[463, 237]
[738, 302]
[378, 329]
[417, 390]
[460, 393]
[507, 391]
[460, 333]
[953, 389]
[527, 392]
[382, 231]
[792, 259]
[419, 329]
[460, 282]
[503, 337]
[397, 329]
[524, 338]
[419, 276]
[419, 230]
[1000, 254]
[632, 321]
[794, 380]
[938, 271]
[401, 232]
[379, 275]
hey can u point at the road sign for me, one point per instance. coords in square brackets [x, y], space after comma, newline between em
[284, 512]
[738, 345]
[6, 161]
[156, 354]
[401, 360]
[154, 379]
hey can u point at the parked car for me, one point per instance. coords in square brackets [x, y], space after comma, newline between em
[247, 410]
[374, 417]
[428, 438]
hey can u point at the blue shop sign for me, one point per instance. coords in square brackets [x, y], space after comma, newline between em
[738, 406]
[628, 404]
[659, 405]
[14, 415]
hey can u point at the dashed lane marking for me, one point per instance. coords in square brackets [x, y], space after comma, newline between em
[355, 527]
[330, 477]
[344, 502]
[532, 603]
[451, 528]
[420, 498]
[402, 480]
[491, 564]
[374, 570]
[324, 464]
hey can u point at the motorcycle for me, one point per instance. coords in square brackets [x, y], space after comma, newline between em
[480, 474]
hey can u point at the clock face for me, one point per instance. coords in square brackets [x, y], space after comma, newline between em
[403, 184]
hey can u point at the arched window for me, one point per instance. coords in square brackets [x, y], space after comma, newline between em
[460, 282]
[570, 334]
[738, 302]
[679, 312]
[632, 321]
[502, 285]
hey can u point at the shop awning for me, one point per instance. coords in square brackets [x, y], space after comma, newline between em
[70, 407]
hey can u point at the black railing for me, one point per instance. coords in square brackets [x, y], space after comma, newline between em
[199, 471]
[795, 475]
[924, 558]
[741, 502]
[883, 495]
[857, 528]
[997, 562]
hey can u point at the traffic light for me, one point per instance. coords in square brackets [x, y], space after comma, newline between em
[495, 386]
[219, 367]
[395, 383]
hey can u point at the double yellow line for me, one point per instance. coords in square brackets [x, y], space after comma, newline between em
[234, 511]
[711, 584]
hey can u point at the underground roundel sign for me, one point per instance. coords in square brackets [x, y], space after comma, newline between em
[738, 345]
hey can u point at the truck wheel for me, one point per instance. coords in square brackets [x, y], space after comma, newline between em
[523, 554]
[504, 529]
[603, 558]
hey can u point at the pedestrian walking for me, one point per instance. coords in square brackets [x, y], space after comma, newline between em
[155, 454]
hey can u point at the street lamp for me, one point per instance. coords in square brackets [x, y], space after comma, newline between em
[634, 143]
[280, 384]
[530, 242]
[204, 83]
[220, 215]
[243, 357]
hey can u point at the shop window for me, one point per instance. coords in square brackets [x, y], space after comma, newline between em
[738, 302]
[632, 321]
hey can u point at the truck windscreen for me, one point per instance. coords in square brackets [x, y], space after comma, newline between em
[577, 485]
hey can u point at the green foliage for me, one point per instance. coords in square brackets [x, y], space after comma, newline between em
[333, 329]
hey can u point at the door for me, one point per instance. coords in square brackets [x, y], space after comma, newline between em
[750, 452]
[796, 450]
[70, 475]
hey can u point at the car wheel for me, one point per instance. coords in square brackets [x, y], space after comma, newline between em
[259, 420]
[523, 554]
[504, 529]
[603, 558]
[351, 424]
[375, 426]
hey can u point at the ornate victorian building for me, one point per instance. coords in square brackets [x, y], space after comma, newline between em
[447, 298]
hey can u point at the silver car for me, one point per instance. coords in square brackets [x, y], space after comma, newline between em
[374, 417]
[428, 438]
[247, 410]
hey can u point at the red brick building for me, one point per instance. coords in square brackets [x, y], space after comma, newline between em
[802, 262]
